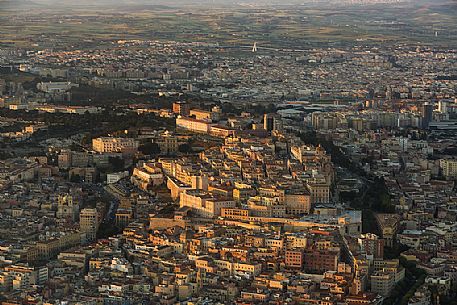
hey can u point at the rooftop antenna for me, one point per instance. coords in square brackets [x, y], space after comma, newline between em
[254, 47]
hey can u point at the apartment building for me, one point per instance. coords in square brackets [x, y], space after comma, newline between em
[109, 145]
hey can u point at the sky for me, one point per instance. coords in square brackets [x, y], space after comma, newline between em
[180, 2]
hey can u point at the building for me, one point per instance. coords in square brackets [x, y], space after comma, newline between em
[426, 114]
[147, 175]
[55, 87]
[387, 273]
[448, 168]
[323, 120]
[181, 108]
[442, 106]
[422, 296]
[193, 125]
[202, 115]
[204, 204]
[319, 190]
[67, 208]
[382, 282]
[222, 131]
[371, 244]
[320, 260]
[297, 202]
[123, 217]
[388, 225]
[115, 177]
[109, 145]
[88, 223]
[22, 276]
[294, 259]
[272, 121]
[168, 143]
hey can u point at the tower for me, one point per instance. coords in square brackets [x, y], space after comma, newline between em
[272, 121]
[88, 223]
[67, 208]
[426, 114]
[254, 47]
[181, 108]
[268, 121]
[442, 106]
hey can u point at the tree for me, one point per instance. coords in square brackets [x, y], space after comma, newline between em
[185, 148]
[149, 148]
[117, 163]
[230, 108]
[75, 178]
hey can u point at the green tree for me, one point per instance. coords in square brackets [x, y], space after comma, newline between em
[185, 148]
[117, 163]
[150, 148]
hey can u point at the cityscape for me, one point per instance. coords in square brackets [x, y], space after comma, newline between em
[199, 152]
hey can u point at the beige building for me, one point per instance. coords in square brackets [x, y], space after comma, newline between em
[382, 282]
[192, 124]
[387, 274]
[108, 145]
[67, 207]
[181, 108]
[319, 190]
[88, 223]
[448, 168]
[222, 131]
[202, 114]
[146, 176]
[176, 187]
[204, 204]
[123, 217]
[297, 203]
[168, 143]
[260, 206]
[21, 277]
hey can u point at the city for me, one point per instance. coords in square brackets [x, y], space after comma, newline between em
[216, 152]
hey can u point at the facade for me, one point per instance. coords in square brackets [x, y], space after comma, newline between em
[88, 222]
[426, 114]
[67, 207]
[382, 282]
[222, 131]
[297, 203]
[294, 259]
[319, 190]
[192, 124]
[146, 176]
[181, 108]
[109, 145]
[371, 244]
[320, 260]
[388, 224]
[168, 143]
[272, 121]
[202, 115]
[203, 204]
[448, 168]
[115, 177]
[123, 217]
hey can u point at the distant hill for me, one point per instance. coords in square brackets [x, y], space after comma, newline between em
[5, 4]
[98, 3]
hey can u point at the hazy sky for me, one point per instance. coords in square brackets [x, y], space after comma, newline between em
[180, 2]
